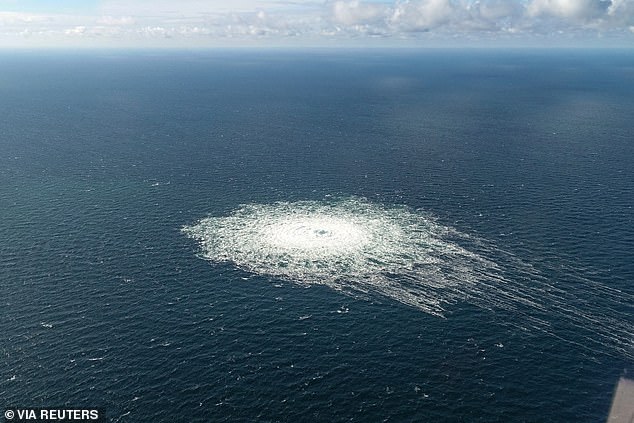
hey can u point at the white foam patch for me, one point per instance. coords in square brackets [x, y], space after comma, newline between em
[365, 249]
[354, 246]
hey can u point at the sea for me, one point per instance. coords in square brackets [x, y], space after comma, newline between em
[317, 235]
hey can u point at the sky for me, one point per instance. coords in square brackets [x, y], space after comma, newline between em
[315, 23]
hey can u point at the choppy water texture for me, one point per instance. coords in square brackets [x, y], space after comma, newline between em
[411, 236]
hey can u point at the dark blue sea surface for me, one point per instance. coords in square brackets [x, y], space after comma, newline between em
[105, 301]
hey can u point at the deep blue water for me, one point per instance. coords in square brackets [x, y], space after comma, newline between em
[105, 302]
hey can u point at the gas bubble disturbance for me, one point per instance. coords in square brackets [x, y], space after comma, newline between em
[351, 245]
[366, 249]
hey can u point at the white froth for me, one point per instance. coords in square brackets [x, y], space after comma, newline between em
[361, 248]
[349, 245]
[315, 235]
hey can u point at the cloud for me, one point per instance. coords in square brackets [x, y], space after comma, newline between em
[496, 15]
[78, 30]
[598, 16]
[216, 22]
[494, 10]
[191, 8]
[581, 10]
[20, 18]
[424, 15]
[115, 21]
[355, 12]
[621, 12]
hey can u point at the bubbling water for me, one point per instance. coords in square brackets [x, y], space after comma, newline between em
[323, 235]
[351, 245]
[369, 250]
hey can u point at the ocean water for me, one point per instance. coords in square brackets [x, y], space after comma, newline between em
[403, 236]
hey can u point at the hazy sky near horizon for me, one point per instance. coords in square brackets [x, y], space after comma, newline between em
[323, 23]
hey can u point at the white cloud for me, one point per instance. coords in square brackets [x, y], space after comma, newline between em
[190, 8]
[494, 10]
[423, 15]
[18, 18]
[569, 9]
[115, 21]
[78, 30]
[218, 22]
[621, 12]
[355, 12]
